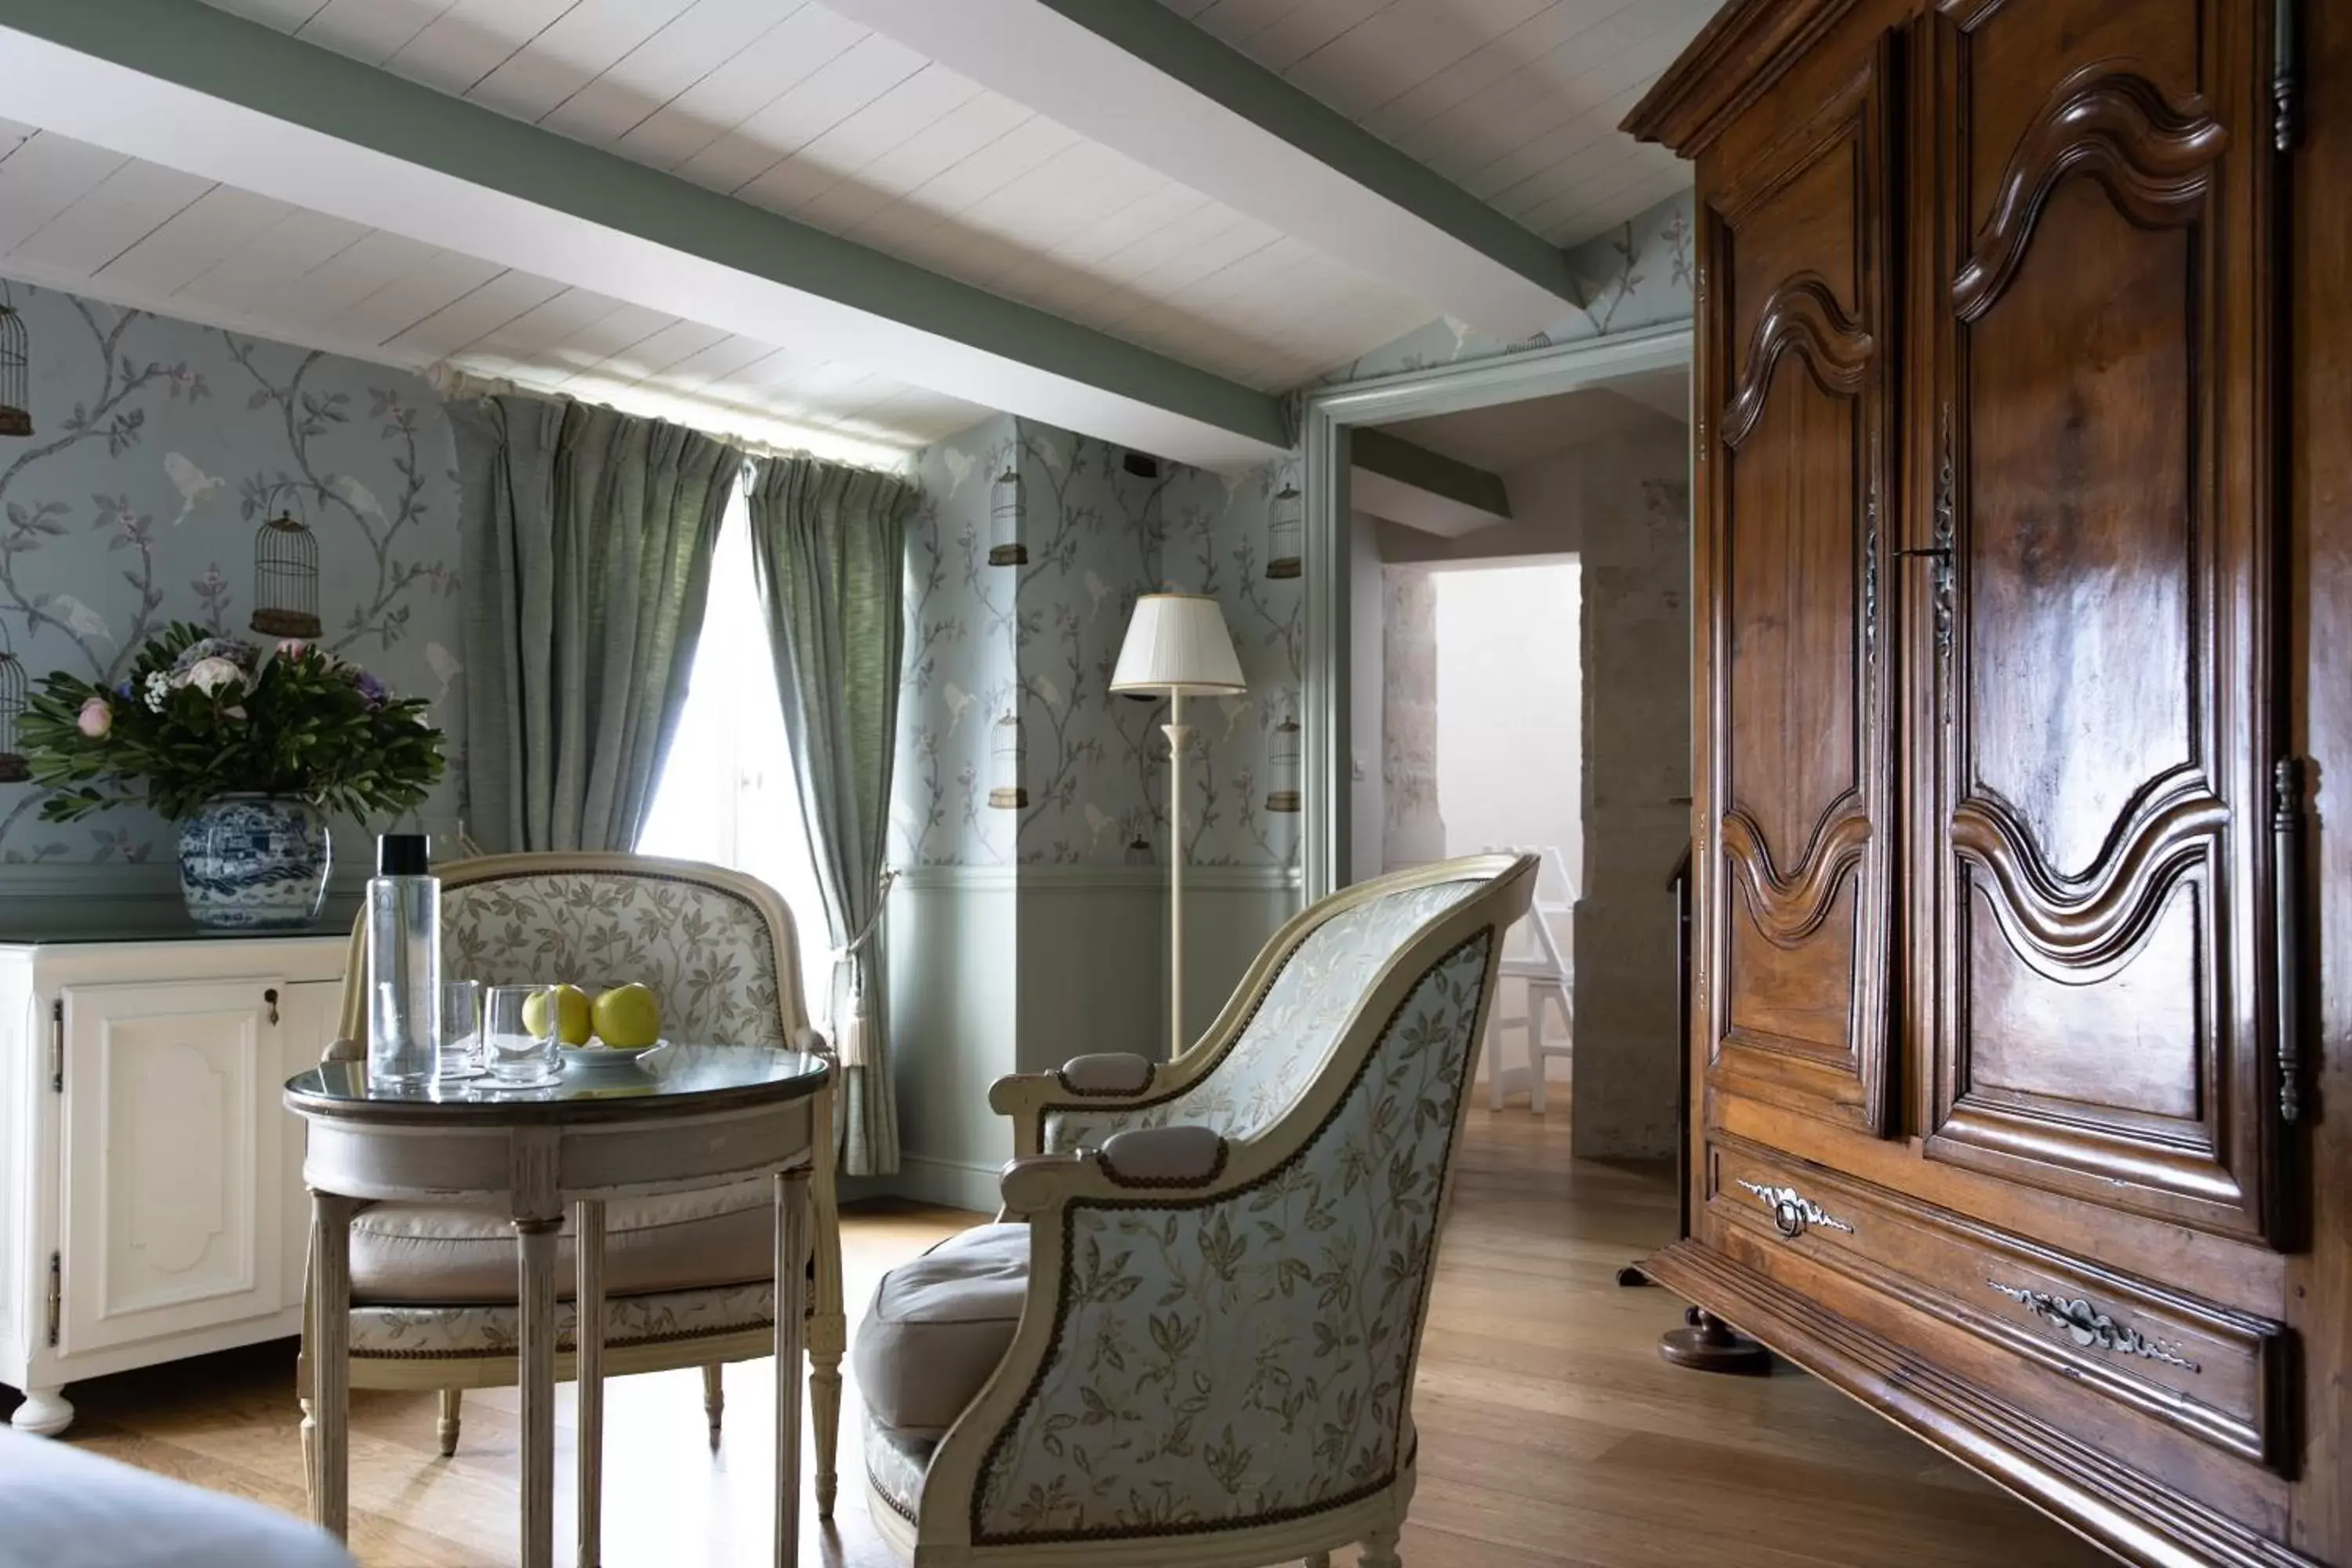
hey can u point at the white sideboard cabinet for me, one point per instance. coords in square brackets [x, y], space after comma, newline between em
[150, 1182]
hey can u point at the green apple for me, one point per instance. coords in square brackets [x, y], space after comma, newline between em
[628, 1016]
[571, 1010]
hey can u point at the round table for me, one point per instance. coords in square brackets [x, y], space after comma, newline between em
[685, 1116]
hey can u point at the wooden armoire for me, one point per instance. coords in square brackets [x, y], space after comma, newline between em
[2021, 1040]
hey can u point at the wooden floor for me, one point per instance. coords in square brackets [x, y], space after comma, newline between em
[1553, 1436]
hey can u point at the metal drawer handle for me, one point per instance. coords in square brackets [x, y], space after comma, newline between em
[270, 996]
[1793, 1213]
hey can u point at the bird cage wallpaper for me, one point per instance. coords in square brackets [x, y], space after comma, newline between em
[285, 580]
[1006, 504]
[1008, 755]
[1284, 533]
[15, 370]
[13, 768]
[1282, 771]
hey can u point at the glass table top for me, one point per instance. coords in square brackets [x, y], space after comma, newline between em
[709, 1077]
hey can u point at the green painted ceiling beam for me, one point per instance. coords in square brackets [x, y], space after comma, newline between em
[1225, 76]
[1137, 78]
[1393, 457]
[682, 244]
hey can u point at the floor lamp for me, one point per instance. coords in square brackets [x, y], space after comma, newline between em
[1177, 646]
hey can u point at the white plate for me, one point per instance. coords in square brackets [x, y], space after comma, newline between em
[592, 1058]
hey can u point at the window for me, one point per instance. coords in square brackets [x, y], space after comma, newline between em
[728, 794]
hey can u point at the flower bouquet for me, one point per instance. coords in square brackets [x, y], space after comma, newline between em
[247, 751]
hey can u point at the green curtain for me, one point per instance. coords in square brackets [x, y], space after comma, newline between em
[586, 547]
[829, 548]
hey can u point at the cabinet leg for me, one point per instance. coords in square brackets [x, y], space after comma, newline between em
[1706, 1343]
[310, 1452]
[44, 1413]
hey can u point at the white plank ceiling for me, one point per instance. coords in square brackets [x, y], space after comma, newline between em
[790, 105]
[1515, 100]
[792, 108]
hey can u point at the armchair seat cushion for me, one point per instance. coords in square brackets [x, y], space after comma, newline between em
[459, 1254]
[938, 1327]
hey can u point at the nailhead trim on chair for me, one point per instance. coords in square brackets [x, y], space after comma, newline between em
[980, 1537]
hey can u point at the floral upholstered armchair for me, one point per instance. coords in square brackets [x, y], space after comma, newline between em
[1196, 1345]
[689, 1276]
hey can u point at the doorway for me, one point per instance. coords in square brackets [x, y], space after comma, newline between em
[1518, 675]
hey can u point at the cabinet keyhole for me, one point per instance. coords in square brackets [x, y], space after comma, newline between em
[270, 996]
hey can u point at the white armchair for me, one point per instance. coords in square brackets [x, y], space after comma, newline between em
[1197, 1346]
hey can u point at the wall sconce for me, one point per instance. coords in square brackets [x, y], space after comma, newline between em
[1007, 503]
[1284, 533]
[1010, 755]
[1282, 769]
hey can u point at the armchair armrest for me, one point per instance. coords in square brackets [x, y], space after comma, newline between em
[1187, 1157]
[344, 1049]
[1107, 1072]
[1025, 1097]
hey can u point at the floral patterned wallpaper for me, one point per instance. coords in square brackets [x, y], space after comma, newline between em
[1045, 636]
[158, 447]
[1639, 275]
[958, 661]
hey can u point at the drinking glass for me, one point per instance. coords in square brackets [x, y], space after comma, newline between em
[461, 1030]
[516, 1055]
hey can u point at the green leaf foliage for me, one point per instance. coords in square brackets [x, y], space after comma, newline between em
[202, 716]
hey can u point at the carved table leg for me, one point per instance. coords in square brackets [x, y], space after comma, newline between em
[445, 1430]
[588, 1340]
[535, 1319]
[791, 1306]
[330, 1361]
[1709, 1344]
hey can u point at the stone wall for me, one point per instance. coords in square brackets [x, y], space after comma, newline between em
[1636, 792]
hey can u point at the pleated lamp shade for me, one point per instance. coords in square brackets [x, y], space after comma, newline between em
[1178, 643]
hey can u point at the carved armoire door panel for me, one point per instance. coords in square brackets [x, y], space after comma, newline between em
[2096, 718]
[1795, 788]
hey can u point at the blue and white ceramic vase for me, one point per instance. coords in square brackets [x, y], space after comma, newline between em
[254, 861]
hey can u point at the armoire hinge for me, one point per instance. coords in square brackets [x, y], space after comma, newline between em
[58, 1045]
[56, 1295]
[2287, 776]
[2286, 77]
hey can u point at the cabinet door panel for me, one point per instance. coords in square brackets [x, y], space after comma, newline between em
[1795, 786]
[2101, 714]
[171, 1216]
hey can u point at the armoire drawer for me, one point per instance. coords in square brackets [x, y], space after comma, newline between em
[2212, 1372]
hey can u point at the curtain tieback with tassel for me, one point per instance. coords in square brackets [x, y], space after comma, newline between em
[851, 1035]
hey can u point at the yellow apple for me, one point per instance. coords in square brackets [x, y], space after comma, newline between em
[628, 1017]
[572, 1022]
